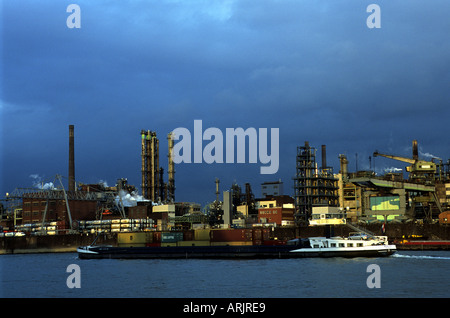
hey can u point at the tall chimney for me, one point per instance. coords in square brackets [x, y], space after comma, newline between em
[227, 208]
[217, 190]
[344, 166]
[71, 159]
[415, 150]
[324, 157]
[171, 170]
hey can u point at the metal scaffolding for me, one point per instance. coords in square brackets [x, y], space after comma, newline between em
[170, 197]
[150, 166]
[313, 186]
[153, 186]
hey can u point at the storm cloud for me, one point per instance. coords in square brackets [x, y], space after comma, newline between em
[311, 68]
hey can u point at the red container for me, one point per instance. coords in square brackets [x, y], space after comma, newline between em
[153, 244]
[231, 235]
[257, 234]
[157, 237]
[266, 234]
[188, 235]
[257, 242]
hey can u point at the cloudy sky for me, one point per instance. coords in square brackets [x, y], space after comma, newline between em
[311, 68]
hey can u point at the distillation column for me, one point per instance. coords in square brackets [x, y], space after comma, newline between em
[171, 171]
[150, 165]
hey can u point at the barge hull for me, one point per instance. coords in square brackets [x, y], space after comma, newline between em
[218, 252]
[177, 252]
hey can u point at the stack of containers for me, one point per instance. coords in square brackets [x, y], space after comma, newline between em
[137, 239]
[171, 238]
[197, 237]
[156, 239]
[231, 237]
[260, 235]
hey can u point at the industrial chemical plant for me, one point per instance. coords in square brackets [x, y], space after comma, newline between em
[321, 197]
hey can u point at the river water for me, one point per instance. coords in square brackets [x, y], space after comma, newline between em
[406, 274]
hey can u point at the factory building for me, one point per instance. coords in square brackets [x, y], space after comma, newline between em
[278, 210]
[366, 197]
[36, 210]
[320, 197]
[274, 188]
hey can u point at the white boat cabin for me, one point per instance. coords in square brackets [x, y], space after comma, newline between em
[358, 240]
[324, 215]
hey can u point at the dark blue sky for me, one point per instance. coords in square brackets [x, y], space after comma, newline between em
[311, 68]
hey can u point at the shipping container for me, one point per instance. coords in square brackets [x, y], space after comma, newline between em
[257, 234]
[168, 244]
[232, 243]
[171, 237]
[230, 235]
[266, 234]
[193, 243]
[274, 242]
[154, 244]
[202, 234]
[131, 244]
[188, 235]
[134, 238]
[157, 237]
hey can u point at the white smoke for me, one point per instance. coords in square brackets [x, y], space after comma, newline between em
[37, 183]
[429, 155]
[103, 183]
[392, 169]
[129, 199]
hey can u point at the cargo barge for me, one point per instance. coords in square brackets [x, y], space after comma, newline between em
[424, 245]
[297, 248]
[173, 252]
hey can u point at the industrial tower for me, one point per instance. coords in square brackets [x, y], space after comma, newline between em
[313, 186]
[150, 165]
[153, 186]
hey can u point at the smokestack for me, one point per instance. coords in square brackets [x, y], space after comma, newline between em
[217, 190]
[324, 157]
[344, 166]
[71, 158]
[415, 150]
[227, 208]
[171, 170]
[144, 164]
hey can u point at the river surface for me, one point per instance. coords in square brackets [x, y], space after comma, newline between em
[405, 274]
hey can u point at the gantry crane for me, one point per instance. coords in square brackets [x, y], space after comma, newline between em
[419, 170]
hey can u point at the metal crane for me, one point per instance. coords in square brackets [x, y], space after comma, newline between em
[418, 169]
